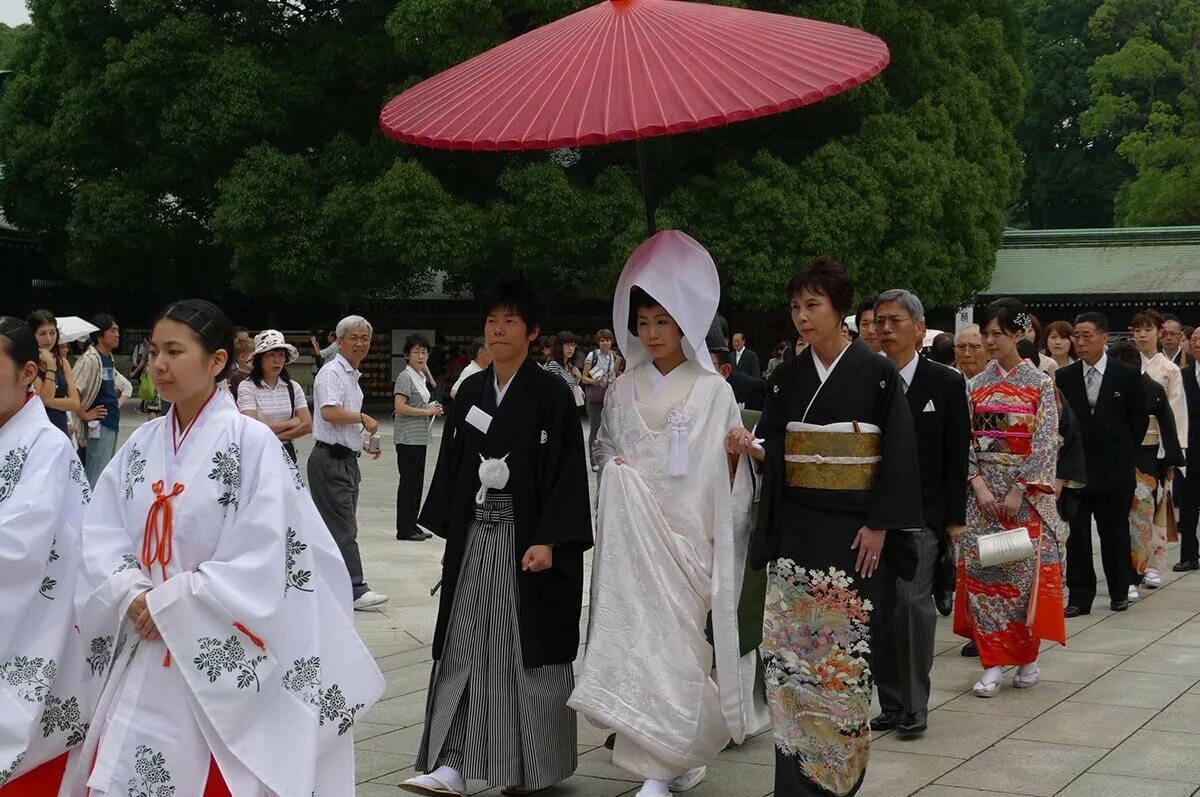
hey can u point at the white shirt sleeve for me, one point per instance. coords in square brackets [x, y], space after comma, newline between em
[299, 402]
[329, 389]
[247, 397]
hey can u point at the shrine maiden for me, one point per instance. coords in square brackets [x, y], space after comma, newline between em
[237, 671]
[49, 671]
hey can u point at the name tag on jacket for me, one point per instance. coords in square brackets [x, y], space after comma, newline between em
[479, 419]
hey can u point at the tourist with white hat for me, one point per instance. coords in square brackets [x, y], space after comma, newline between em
[270, 395]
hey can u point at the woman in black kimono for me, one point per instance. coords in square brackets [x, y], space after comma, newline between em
[510, 497]
[840, 490]
[1160, 451]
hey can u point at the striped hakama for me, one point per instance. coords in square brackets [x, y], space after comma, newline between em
[488, 716]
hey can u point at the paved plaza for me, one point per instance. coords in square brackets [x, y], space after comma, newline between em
[1117, 710]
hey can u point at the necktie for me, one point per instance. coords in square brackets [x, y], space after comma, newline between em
[904, 383]
[1093, 385]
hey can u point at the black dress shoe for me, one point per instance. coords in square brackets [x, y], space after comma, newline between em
[1075, 611]
[885, 722]
[416, 536]
[912, 725]
[944, 601]
[969, 651]
[1118, 606]
[1183, 567]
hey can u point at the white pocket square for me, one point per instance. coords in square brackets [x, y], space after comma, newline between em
[929, 407]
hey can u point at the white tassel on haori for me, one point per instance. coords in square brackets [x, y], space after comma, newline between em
[493, 474]
[677, 456]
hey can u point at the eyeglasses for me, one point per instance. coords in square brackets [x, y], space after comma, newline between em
[1083, 337]
[968, 347]
[894, 320]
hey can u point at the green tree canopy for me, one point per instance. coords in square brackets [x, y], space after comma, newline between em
[240, 148]
[9, 37]
[1145, 87]
[1071, 179]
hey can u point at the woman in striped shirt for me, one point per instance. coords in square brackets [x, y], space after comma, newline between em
[270, 395]
[413, 423]
[562, 363]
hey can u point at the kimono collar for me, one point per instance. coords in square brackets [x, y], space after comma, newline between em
[995, 364]
[660, 381]
[28, 414]
[179, 436]
[823, 372]
[501, 392]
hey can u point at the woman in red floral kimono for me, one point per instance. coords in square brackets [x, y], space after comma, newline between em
[1009, 608]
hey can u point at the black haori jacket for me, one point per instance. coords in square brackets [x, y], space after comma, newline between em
[537, 426]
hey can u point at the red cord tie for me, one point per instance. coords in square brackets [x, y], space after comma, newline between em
[258, 643]
[158, 537]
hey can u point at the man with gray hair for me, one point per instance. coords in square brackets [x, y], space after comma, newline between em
[969, 356]
[937, 398]
[338, 424]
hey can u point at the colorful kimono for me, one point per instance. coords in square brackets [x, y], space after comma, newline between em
[840, 455]
[1160, 450]
[1008, 609]
[670, 549]
[259, 671]
[50, 673]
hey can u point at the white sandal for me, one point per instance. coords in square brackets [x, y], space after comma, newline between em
[688, 780]
[986, 690]
[1027, 676]
[988, 687]
[428, 784]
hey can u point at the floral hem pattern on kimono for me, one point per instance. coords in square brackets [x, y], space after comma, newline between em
[1148, 539]
[816, 644]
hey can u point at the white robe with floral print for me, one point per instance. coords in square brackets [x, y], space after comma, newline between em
[50, 673]
[259, 668]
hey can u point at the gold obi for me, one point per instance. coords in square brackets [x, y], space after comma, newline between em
[1152, 433]
[832, 460]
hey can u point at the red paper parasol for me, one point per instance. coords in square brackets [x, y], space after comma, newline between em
[633, 69]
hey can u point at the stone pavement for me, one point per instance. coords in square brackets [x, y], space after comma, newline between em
[1117, 710]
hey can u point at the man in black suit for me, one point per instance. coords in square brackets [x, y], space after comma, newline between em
[937, 398]
[1106, 397]
[748, 391]
[1173, 341]
[744, 360]
[1189, 516]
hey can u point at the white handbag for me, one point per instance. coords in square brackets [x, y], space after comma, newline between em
[1004, 547]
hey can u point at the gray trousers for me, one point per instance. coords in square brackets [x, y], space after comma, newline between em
[595, 413]
[334, 483]
[904, 653]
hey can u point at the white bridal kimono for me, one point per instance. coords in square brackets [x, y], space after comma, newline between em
[259, 667]
[669, 548]
[50, 672]
[671, 538]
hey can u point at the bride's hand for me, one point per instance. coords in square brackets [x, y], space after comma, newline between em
[740, 440]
